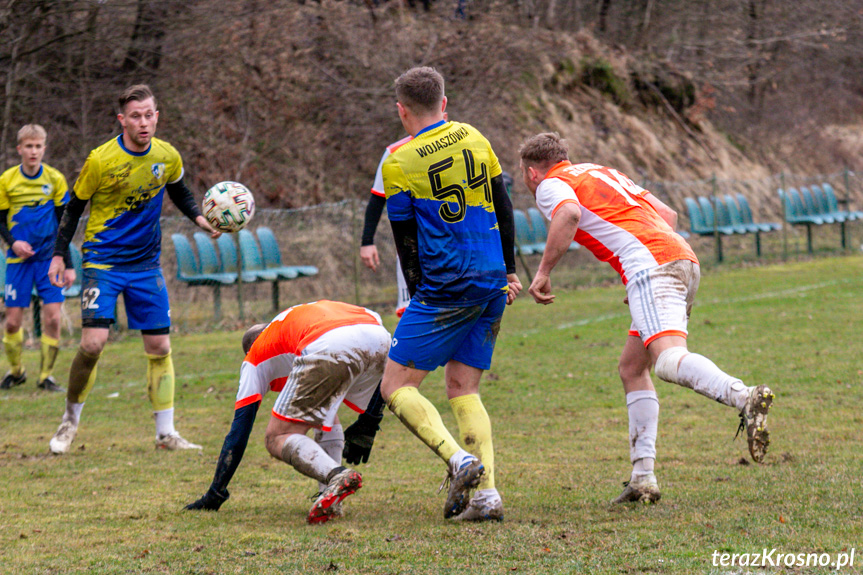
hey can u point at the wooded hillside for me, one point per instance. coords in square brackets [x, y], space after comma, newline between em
[295, 98]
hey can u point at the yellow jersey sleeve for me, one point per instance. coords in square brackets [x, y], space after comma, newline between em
[4, 190]
[90, 177]
[174, 166]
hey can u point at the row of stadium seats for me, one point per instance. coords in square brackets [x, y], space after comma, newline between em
[815, 206]
[531, 232]
[733, 215]
[218, 265]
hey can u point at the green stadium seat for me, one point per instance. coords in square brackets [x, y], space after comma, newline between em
[252, 260]
[273, 256]
[228, 257]
[813, 208]
[707, 210]
[188, 269]
[833, 204]
[746, 216]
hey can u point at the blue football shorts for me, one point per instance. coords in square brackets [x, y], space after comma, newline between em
[427, 337]
[22, 276]
[144, 294]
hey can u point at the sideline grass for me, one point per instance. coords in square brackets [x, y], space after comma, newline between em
[113, 504]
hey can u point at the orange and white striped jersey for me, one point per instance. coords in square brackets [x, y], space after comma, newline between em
[271, 358]
[618, 225]
[378, 184]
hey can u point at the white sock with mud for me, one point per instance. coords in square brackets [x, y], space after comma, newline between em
[333, 443]
[643, 408]
[458, 458]
[73, 412]
[303, 454]
[164, 422]
[676, 365]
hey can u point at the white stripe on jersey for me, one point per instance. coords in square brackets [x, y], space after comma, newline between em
[256, 379]
[633, 255]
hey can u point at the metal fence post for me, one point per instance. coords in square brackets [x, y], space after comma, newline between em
[716, 235]
[355, 255]
[784, 216]
[236, 239]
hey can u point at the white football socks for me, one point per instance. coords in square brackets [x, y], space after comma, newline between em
[458, 458]
[677, 365]
[643, 408]
[73, 412]
[303, 454]
[707, 379]
[333, 443]
[164, 422]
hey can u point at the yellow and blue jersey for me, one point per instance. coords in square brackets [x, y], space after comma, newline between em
[126, 190]
[442, 178]
[31, 202]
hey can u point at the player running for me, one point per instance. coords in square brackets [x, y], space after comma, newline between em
[32, 196]
[453, 227]
[316, 356]
[125, 181]
[633, 231]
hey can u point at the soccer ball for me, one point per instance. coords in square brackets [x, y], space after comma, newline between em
[229, 206]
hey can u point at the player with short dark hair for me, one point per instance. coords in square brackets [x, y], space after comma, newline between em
[631, 229]
[32, 198]
[453, 226]
[125, 181]
[316, 356]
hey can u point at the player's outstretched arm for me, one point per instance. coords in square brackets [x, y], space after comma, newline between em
[181, 196]
[561, 231]
[360, 435]
[232, 453]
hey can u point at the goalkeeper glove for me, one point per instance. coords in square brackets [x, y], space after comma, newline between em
[211, 501]
[359, 438]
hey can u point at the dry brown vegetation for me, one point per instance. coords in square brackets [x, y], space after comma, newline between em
[295, 99]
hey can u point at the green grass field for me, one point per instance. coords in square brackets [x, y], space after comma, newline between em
[113, 505]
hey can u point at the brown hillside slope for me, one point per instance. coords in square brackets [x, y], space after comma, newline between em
[297, 101]
[295, 98]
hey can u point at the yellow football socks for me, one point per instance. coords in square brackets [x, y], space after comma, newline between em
[474, 427]
[82, 376]
[160, 381]
[14, 344]
[421, 417]
[50, 347]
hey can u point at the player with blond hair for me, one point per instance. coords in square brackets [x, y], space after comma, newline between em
[32, 199]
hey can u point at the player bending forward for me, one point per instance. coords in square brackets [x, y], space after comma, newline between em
[316, 356]
[633, 231]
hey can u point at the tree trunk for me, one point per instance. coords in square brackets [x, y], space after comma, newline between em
[604, 6]
[145, 48]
